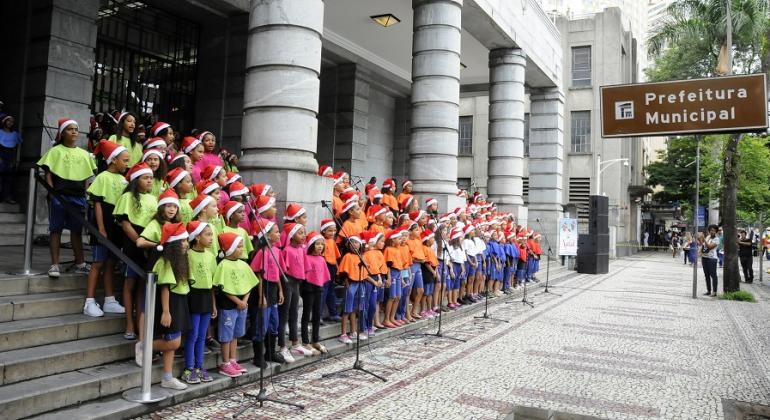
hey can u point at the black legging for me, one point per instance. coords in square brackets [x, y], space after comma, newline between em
[288, 312]
[748, 270]
[311, 305]
[710, 271]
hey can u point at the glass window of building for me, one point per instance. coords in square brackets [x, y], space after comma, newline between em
[465, 144]
[581, 66]
[580, 133]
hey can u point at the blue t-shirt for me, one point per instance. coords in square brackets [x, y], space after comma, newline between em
[9, 139]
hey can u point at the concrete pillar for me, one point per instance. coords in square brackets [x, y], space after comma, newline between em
[506, 127]
[435, 98]
[351, 139]
[280, 104]
[546, 151]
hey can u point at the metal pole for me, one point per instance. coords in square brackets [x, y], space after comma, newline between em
[761, 243]
[29, 226]
[696, 220]
[146, 394]
[598, 174]
[729, 37]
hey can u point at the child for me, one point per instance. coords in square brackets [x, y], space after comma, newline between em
[181, 182]
[294, 214]
[67, 167]
[193, 148]
[375, 260]
[126, 127]
[233, 215]
[388, 199]
[172, 313]
[134, 211]
[353, 275]
[418, 258]
[154, 159]
[316, 276]
[403, 314]
[204, 209]
[164, 132]
[293, 256]
[235, 281]
[332, 257]
[458, 259]
[238, 192]
[103, 194]
[168, 212]
[351, 212]
[521, 267]
[469, 247]
[395, 262]
[9, 141]
[269, 266]
[210, 156]
[406, 192]
[201, 300]
[480, 247]
[429, 274]
[217, 174]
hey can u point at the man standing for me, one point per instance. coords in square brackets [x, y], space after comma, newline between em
[709, 246]
[746, 255]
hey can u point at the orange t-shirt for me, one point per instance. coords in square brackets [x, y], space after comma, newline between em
[374, 227]
[401, 196]
[331, 252]
[337, 204]
[350, 228]
[376, 261]
[406, 255]
[393, 255]
[350, 266]
[363, 223]
[415, 249]
[390, 201]
[430, 256]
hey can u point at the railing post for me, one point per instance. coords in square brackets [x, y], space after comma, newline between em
[29, 226]
[145, 394]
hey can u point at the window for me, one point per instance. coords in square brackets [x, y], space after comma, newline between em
[464, 184]
[526, 134]
[465, 144]
[580, 133]
[579, 193]
[581, 66]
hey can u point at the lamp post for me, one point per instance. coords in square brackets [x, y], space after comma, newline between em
[599, 170]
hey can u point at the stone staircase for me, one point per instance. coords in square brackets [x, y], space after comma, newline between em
[12, 224]
[57, 363]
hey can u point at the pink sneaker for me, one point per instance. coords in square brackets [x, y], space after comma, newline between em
[237, 367]
[227, 369]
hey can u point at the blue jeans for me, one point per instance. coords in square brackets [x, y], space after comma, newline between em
[196, 339]
[401, 310]
[327, 296]
[710, 271]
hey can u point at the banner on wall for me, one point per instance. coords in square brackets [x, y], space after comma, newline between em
[568, 236]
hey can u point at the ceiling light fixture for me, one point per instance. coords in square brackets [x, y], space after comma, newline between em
[385, 20]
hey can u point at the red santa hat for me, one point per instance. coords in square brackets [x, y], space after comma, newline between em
[64, 123]
[203, 134]
[158, 127]
[468, 228]
[373, 237]
[444, 217]
[189, 143]
[350, 204]
[430, 201]
[238, 189]
[291, 229]
[426, 235]
[211, 172]
[151, 152]
[258, 190]
[175, 176]
[117, 116]
[108, 150]
[356, 238]
[325, 170]
[138, 170]
[232, 177]
[206, 187]
[348, 195]
[455, 234]
[405, 202]
[326, 224]
[168, 197]
[293, 211]
[377, 210]
[405, 184]
[265, 203]
[195, 228]
[389, 183]
[416, 215]
[266, 225]
[230, 208]
[172, 232]
[200, 202]
[312, 237]
[228, 243]
[154, 142]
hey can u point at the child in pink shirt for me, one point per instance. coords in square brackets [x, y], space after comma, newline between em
[316, 276]
[293, 256]
[270, 292]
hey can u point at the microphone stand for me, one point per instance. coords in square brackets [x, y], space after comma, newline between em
[486, 315]
[524, 300]
[445, 257]
[261, 397]
[548, 260]
[358, 365]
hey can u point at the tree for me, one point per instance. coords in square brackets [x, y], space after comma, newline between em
[700, 26]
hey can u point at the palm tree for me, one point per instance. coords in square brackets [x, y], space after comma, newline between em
[701, 25]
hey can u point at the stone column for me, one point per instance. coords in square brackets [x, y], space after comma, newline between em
[351, 139]
[506, 127]
[435, 98]
[546, 151]
[281, 89]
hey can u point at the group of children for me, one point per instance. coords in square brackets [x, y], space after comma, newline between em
[179, 210]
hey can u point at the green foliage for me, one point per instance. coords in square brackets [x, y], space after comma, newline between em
[740, 295]
[681, 63]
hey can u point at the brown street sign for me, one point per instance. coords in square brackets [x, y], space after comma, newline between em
[717, 104]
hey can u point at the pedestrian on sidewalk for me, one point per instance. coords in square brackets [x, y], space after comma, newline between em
[9, 141]
[709, 245]
[746, 255]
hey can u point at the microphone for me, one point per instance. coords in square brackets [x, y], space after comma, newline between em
[324, 204]
[537, 220]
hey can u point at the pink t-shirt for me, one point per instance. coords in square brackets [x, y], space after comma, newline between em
[264, 262]
[223, 199]
[246, 223]
[211, 159]
[196, 170]
[316, 270]
[294, 260]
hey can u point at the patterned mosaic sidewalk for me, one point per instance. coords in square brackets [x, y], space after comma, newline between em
[628, 345]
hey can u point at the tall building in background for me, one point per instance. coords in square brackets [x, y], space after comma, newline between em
[657, 13]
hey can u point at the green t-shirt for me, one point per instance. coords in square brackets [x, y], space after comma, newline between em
[158, 186]
[139, 215]
[185, 211]
[69, 163]
[218, 223]
[166, 276]
[202, 267]
[235, 277]
[135, 152]
[107, 187]
[248, 247]
[152, 231]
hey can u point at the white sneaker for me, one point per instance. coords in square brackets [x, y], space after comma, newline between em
[287, 355]
[111, 306]
[301, 350]
[362, 336]
[54, 272]
[138, 353]
[91, 308]
[345, 339]
[173, 383]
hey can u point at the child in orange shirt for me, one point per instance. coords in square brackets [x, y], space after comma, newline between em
[395, 262]
[354, 275]
[332, 257]
[429, 274]
[402, 313]
[375, 260]
[418, 257]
